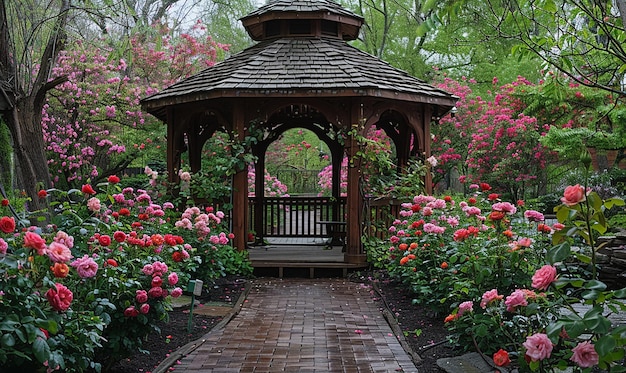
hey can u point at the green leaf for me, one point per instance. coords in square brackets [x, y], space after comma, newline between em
[595, 285]
[609, 203]
[41, 350]
[7, 340]
[558, 253]
[574, 329]
[621, 293]
[605, 345]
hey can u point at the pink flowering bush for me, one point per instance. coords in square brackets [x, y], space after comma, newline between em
[562, 319]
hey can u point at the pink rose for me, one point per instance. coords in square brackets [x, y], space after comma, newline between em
[3, 246]
[538, 347]
[585, 355]
[177, 292]
[156, 281]
[131, 312]
[573, 194]
[141, 296]
[85, 267]
[516, 299]
[155, 292]
[172, 279]
[544, 277]
[490, 296]
[58, 253]
[60, 297]
[144, 308]
[465, 307]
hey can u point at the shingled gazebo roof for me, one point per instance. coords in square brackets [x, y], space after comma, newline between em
[299, 67]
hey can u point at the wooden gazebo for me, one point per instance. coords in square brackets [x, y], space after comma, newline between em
[302, 73]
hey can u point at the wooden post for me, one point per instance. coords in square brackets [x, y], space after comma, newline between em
[354, 250]
[240, 186]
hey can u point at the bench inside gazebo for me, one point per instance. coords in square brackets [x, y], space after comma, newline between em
[302, 73]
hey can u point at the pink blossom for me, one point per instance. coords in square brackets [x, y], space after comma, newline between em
[86, 267]
[516, 299]
[64, 238]
[585, 355]
[467, 306]
[543, 277]
[176, 292]
[505, 207]
[34, 241]
[172, 279]
[3, 246]
[141, 296]
[58, 252]
[489, 296]
[533, 215]
[144, 308]
[148, 269]
[155, 292]
[538, 347]
[93, 204]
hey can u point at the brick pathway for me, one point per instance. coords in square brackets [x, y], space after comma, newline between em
[302, 325]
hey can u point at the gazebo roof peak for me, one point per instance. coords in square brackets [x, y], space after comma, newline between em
[293, 18]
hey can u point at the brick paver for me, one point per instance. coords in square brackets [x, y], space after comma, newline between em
[302, 325]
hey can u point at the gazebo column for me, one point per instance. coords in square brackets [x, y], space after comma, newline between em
[354, 250]
[240, 186]
[174, 149]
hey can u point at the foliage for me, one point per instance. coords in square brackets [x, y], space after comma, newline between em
[116, 257]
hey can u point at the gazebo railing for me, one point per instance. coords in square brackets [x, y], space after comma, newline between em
[297, 216]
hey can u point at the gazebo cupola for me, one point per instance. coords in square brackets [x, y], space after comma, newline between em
[281, 19]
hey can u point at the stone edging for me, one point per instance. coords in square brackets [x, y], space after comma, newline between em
[191, 346]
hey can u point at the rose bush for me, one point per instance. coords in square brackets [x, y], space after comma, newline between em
[83, 292]
[446, 250]
[566, 324]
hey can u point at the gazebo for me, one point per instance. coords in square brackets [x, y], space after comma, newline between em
[302, 73]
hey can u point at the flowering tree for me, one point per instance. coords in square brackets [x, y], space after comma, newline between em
[492, 141]
[93, 124]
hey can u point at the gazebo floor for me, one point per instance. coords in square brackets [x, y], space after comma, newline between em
[298, 252]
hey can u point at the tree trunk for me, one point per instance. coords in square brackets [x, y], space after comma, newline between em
[23, 115]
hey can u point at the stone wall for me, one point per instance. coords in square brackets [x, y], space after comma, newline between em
[611, 259]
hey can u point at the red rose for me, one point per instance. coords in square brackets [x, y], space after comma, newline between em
[88, 189]
[177, 256]
[493, 196]
[5, 202]
[119, 236]
[42, 194]
[111, 262]
[104, 240]
[7, 224]
[501, 358]
[485, 187]
[114, 179]
[124, 211]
